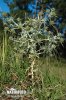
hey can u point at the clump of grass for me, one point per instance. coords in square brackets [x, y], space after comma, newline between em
[53, 85]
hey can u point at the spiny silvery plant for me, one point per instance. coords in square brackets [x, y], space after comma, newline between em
[30, 34]
[33, 32]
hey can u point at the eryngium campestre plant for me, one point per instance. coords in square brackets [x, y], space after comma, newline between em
[26, 35]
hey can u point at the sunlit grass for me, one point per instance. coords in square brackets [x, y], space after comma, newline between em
[53, 76]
